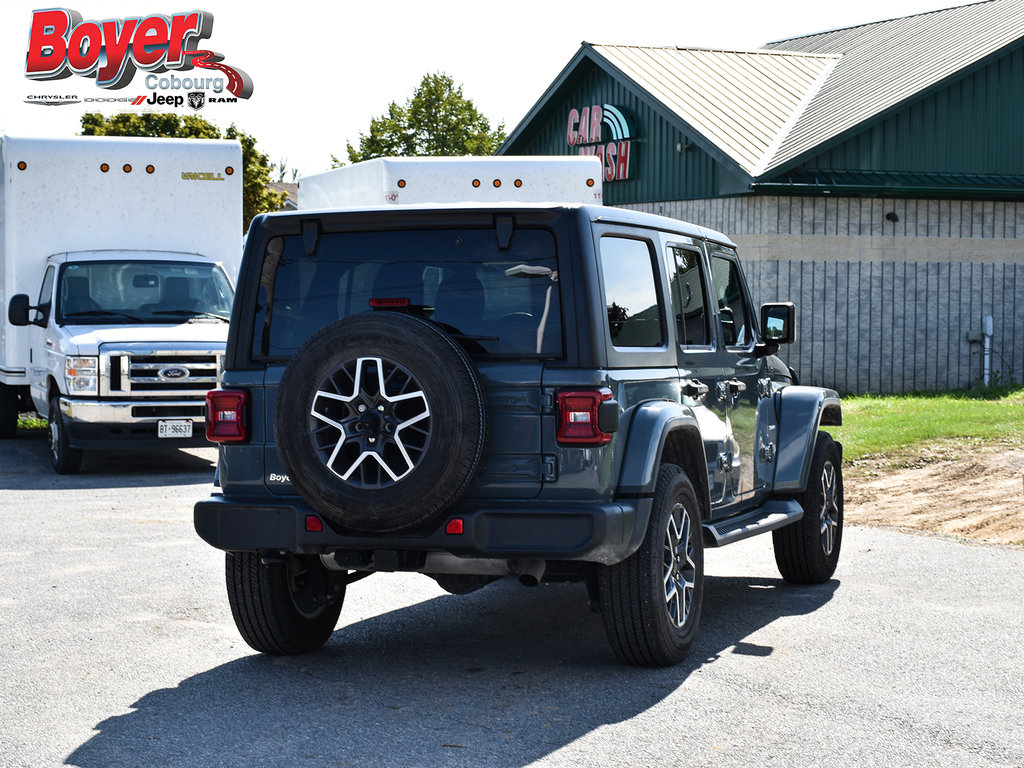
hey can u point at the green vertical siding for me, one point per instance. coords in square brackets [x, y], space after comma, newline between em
[659, 170]
[971, 126]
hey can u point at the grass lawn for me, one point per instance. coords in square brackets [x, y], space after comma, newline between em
[893, 424]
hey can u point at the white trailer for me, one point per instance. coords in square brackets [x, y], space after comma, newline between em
[424, 180]
[117, 262]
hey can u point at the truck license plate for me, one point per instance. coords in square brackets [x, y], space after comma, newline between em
[174, 428]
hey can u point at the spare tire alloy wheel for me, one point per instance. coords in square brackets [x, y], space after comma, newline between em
[376, 434]
[380, 421]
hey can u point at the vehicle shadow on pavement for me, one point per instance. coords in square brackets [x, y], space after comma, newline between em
[502, 677]
[25, 466]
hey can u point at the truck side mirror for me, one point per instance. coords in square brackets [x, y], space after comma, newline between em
[778, 323]
[17, 311]
[19, 308]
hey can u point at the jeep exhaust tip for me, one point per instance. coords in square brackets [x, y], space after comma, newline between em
[530, 572]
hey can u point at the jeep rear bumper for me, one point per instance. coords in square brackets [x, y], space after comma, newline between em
[603, 533]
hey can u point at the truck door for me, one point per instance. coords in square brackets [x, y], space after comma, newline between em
[41, 342]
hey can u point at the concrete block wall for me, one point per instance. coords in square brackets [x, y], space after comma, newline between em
[883, 305]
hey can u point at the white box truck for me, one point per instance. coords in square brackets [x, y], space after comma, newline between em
[117, 262]
[426, 180]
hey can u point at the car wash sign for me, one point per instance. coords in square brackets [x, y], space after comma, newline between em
[605, 131]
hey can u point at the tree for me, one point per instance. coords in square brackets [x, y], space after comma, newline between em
[256, 197]
[436, 120]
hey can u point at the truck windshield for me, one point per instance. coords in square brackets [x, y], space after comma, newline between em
[126, 292]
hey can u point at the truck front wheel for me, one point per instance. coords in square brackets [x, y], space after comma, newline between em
[651, 601]
[65, 459]
[285, 605]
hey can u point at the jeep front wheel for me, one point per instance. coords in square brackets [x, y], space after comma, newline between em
[651, 601]
[807, 551]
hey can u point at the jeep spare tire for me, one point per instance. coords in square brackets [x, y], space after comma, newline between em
[380, 421]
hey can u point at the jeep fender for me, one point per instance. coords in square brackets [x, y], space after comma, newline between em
[661, 431]
[654, 424]
[801, 411]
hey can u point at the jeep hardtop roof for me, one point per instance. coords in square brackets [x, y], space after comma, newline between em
[595, 213]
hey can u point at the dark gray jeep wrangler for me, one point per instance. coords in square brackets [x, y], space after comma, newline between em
[548, 391]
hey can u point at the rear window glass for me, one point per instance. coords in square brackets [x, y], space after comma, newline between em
[502, 302]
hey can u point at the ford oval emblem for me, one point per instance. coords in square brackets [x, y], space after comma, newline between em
[173, 373]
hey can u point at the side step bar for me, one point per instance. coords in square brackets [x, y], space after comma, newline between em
[774, 513]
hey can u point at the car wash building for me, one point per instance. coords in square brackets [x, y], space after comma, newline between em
[873, 175]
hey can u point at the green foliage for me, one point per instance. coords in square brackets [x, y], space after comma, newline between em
[896, 424]
[436, 120]
[256, 166]
[31, 421]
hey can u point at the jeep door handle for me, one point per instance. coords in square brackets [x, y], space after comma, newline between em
[694, 389]
[735, 386]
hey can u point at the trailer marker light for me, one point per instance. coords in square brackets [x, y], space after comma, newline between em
[497, 183]
[476, 183]
[518, 183]
[229, 170]
[455, 527]
[127, 167]
[150, 169]
[22, 165]
[104, 167]
[401, 183]
[314, 524]
[590, 182]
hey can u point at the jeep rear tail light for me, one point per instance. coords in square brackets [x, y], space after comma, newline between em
[587, 417]
[225, 416]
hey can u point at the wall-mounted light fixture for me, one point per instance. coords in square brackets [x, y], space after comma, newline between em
[892, 216]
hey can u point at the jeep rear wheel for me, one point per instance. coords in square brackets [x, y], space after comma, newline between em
[807, 551]
[380, 421]
[651, 601]
[290, 605]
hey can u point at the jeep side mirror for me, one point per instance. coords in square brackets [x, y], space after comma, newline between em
[778, 323]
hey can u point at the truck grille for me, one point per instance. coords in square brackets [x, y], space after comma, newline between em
[159, 374]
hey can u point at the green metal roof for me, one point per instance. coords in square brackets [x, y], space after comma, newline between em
[884, 64]
[765, 114]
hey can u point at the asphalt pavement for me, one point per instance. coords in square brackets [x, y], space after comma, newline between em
[117, 648]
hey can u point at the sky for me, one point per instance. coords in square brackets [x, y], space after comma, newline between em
[321, 70]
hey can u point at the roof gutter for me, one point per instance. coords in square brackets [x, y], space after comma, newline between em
[908, 190]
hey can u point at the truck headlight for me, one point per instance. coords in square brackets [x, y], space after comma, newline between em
[82, 374]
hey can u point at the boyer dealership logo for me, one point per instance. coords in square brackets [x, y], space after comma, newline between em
[112, 51]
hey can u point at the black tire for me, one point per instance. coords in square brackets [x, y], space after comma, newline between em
[64, 459]
[283, 607]
[8, 411]
[375, 461]
[649, 620]
[807, 551]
